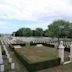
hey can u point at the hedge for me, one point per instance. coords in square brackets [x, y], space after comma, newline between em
[44, 64]
[45, 44]
[19, 44]
[67, 49]
[49, 45]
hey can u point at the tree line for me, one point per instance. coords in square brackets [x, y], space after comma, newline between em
[58, 28]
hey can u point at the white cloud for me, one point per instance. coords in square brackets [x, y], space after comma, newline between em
[31, 9]
[41, 11]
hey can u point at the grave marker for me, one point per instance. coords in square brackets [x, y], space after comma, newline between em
[12, 66]
[1, 68]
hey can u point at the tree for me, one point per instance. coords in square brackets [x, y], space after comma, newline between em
[33, 34]
[46, 33]
[59, 28]
[13, 34]
[24, 32]
[39, 32]
[70, 31]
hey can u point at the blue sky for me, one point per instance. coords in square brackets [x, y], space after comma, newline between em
[15, 14]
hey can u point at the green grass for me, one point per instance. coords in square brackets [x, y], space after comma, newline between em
[37, 54]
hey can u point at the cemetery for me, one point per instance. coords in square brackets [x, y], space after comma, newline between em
[36, 55]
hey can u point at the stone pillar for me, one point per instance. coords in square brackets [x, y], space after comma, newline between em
[61, 51]
[71, 52]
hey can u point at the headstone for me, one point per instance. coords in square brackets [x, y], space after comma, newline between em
[1, 68]
[8, 56]
[71, 52]
[12, 66]
[10, 60]
[55, 45]
[39, 45]
[61, 51]
[1, 60]
[17, 46]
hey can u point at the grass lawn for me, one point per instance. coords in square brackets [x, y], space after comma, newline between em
[37, 54]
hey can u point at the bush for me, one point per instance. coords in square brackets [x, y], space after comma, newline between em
[44, 64]
[45, 44]
[49, 45]
[19, 44]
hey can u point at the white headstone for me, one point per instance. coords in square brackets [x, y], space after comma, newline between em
[12, 66]
[10, 60]
[1, 61]
[39, 45]
[8, 56]
[71, 52]
[1, 68]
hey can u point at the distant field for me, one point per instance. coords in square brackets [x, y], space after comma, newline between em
[37, 54]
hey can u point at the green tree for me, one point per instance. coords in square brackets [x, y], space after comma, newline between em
[70, 31]
[39, 32]
[46, 33]
[24, 32]
[59, 28]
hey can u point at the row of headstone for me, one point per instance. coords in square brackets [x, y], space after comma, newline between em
[55, 43]
[6, 51]
[67, 44]
[7, 41]
[8, 56]
[10, 59]
[1, 61]
[43, 41]
[39, 40]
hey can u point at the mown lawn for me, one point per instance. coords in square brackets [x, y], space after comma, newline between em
[37, 54]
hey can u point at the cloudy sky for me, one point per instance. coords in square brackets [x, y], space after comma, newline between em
[15, 14]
